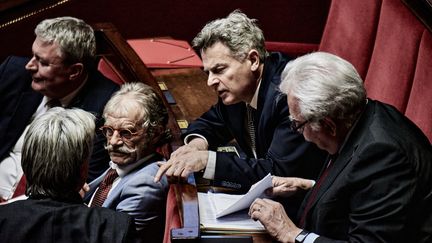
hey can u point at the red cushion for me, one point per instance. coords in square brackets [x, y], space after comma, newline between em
[109, 72]
[419, 107]
[290, 48]
[172, 220]
[350, 31]
[393, 61]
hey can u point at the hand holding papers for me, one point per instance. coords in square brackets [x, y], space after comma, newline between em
[220, 211]
[226, 203]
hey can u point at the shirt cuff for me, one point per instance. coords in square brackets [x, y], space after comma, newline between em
[210, 169]
[310, 238]
[192, 136]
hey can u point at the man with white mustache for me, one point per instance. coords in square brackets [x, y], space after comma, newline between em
[135, 126]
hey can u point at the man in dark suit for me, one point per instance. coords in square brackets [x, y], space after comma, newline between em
[135, 126]
[377, 184]
[250, 110]
[56, 151]
[62, 71]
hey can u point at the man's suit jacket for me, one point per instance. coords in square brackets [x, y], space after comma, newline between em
[140, 197]
[47, 220]
[18, 102]
[379, 188]
[280, 151]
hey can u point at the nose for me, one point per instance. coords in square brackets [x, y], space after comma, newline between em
[31, 65]
[115, 139]
[212, 80]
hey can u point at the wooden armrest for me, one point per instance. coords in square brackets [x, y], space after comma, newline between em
[187, 201]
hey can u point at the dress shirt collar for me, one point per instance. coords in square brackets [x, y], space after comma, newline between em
[254, 101]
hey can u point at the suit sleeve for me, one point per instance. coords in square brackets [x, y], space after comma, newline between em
[283, 152]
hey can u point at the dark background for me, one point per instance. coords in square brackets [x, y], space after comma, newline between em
[281, 20]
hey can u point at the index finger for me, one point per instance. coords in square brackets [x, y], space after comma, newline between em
[163, 167]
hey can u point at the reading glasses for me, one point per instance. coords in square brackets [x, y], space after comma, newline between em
[124, 133]
[298, 126]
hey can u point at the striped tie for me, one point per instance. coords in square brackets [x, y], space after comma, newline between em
[104, 188]
[251, 128]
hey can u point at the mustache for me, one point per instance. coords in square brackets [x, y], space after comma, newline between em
[121, 149]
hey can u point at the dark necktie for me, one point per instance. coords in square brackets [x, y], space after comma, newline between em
[104, 188]
[251, 127]
[314, 193]
[53, 103]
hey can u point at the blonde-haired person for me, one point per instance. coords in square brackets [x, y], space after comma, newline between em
[56, 152]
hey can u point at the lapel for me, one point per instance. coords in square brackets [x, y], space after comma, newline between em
[346, 154]
[115, 193]
[343, 159]
[236, 114]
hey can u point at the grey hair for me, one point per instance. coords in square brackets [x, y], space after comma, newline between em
[76, 38]
[56, 147]
[238, 32]
[324, 85]
[152, 113]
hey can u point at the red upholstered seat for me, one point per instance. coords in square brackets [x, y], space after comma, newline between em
[419, 107]
[108, 71]
[350, 31]
[391, 69]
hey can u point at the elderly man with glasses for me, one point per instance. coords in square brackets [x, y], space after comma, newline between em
[135, 125]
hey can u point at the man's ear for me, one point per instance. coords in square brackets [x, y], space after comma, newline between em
[76, 70]
[253, 57]
[329, 125]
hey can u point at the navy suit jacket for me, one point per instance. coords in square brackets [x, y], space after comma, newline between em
[379, 188]
[47, 220]
[18, 102]
[140, 197]
[280, 151]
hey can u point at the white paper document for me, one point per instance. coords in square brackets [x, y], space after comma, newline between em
[226, 203]
[235, 222]
[221, 211]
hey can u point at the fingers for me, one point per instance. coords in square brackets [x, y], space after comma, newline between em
[85, 188]
[256, 209]
[163, 167]
[175, 171]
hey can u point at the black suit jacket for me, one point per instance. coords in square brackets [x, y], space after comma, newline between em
[380, 186]
[280, 151]
[18, 102]
[46, 220]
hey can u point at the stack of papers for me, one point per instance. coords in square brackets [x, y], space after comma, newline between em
[227, 212]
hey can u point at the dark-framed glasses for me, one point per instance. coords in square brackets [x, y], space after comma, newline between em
[124, 133]
[298, 126]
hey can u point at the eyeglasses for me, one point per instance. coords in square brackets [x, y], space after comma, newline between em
[124, 133]
[295, 126]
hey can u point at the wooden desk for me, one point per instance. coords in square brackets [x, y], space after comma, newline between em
[183, 219]
[189, 89]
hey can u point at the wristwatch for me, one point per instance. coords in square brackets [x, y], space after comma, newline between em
[301, 236]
